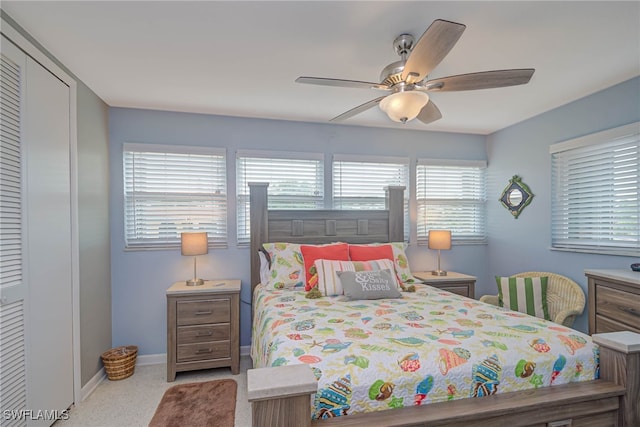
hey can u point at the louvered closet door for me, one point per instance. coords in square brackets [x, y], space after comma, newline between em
[12, 289]
[36, 310]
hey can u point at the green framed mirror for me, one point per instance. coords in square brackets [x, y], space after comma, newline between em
[516, 196]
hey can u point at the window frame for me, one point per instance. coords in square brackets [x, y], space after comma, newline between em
[594, 146]
[220, 200]
[242, 197]
[479, 239]
[401, 161]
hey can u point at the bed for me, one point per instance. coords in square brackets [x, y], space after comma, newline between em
[426, 356]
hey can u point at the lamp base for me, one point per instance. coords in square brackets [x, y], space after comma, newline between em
[195, 282]
[439, 273]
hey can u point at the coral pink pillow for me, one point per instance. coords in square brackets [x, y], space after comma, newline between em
[310, 253]
[368, 253]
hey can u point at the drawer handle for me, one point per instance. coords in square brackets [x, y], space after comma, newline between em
[204, 334]
[202, 313]
[204, 350]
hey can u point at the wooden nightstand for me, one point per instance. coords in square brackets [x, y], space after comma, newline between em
[203, 326]
[457, 283]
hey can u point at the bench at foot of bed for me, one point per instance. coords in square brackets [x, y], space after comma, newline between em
[280, 396]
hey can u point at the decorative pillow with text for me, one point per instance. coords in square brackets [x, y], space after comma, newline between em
[329, 283]
[376, 284]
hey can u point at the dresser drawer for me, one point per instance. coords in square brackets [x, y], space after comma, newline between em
[618, 305]
[604, 324]
[204, 351]
[201, 312]
[197, 334]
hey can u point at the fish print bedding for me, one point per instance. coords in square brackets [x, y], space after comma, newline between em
[428, 346]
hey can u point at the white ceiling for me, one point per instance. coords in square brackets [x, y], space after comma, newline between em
[241, 58]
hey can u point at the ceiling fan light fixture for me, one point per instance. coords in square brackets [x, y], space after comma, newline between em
[404, 106]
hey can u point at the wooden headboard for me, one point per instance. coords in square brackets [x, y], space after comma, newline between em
[321, 226]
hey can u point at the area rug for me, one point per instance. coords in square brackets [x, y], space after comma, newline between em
[204, 404]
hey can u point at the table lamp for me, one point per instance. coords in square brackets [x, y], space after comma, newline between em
[194, 244]
[440, 240]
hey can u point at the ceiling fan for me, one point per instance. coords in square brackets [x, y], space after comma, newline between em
[407, 79]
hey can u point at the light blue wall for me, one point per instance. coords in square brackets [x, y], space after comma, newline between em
[140, 278]
[522, 244]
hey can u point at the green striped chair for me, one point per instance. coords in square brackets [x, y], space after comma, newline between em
[565, 298]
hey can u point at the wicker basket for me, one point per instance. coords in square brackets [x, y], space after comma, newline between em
[120, 362]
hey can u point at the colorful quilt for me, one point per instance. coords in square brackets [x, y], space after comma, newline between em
[429, 346]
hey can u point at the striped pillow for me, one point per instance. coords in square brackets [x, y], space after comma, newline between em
[524, 294]
[328, 281]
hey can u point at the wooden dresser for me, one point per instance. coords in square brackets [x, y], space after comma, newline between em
[203, 327]
[614, 300]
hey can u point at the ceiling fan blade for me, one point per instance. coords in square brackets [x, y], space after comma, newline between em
[429, 113]
[432, 47]
[340, 83]
[482, 80]
[357, 110]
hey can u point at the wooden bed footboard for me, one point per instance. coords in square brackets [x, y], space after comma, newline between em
[280, 398]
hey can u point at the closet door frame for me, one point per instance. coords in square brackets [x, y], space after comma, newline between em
[23, 43]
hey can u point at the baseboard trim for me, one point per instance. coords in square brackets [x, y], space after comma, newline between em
[161, 358]
[92, 384]
[141, 360]
[151, 359]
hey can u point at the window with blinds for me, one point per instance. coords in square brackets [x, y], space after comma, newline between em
[173, 189]
[296, 181]
[451, 195]
[359, 182]
[595, 193]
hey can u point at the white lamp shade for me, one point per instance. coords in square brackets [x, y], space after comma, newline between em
[194, 243]
[440, 239]
[404, 106]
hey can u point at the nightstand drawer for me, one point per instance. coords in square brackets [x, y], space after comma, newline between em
[198, 334]
[203, 311]
[453, 282]
[204, 351]
[460, 290]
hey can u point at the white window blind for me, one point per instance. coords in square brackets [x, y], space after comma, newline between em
[359, 182]
[169, 190]
[296, 181]
[451, 195]
[595, 205]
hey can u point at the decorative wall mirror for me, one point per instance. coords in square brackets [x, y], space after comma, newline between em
[516, 196]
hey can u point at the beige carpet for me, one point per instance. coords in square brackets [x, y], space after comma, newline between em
[203, 404]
